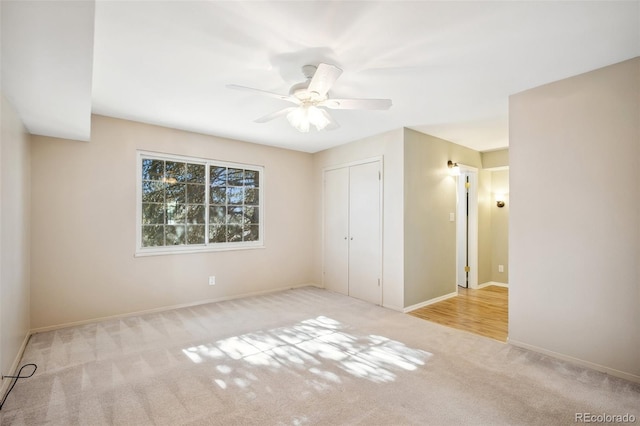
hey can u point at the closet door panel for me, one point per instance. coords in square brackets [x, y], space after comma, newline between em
[365, 232]
[336, 230]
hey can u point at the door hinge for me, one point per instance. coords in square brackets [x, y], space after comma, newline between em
[467, 184]
[378, 282]
[467, 268]
[379, 175]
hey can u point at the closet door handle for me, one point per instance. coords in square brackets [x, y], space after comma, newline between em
[351, 238]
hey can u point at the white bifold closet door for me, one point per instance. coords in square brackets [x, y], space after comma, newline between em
[353, 231]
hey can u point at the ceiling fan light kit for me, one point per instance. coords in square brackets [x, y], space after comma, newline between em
[312, 97]
[301, 118]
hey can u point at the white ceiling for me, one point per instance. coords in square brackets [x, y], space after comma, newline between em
[449, 67]
[47, 63]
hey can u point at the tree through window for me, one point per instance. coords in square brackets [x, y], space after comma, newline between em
[188, 204]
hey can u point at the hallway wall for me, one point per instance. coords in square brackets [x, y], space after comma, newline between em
[430, 196]
[500, 227]
[574, 240]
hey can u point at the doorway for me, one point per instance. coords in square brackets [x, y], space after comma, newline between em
[467, 228]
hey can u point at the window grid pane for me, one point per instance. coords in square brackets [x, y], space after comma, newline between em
[187, 203]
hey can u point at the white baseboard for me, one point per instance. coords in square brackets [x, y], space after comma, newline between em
[577, 361]
[487, 284]
[393, 307]
[14, 367]
[429, 302]
[167, 308]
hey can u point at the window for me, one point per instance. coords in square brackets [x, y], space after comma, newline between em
[190, 204]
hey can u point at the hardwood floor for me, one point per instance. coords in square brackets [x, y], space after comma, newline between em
[484, 312]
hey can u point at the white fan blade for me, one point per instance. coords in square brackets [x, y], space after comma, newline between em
[273, 115]
[324, 78]
[265, 93]
[356, 103]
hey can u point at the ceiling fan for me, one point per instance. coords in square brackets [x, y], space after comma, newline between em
[311, 97]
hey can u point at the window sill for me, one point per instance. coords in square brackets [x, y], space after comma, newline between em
[191, 250]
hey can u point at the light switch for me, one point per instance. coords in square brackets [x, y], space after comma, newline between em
[452, 217]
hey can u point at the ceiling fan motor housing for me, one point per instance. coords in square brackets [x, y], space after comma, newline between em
[309, 71]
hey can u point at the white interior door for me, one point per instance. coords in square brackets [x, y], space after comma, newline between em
[336, 230]
[365, 232]
[467, 228]
[462, 231]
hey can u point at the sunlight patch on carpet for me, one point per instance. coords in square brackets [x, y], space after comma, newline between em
[320, 345]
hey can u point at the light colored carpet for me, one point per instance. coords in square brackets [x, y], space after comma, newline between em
[304, 356]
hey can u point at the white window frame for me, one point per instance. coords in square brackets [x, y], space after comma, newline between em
[196, 248]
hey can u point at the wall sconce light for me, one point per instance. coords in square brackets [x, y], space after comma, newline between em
[454, 169]
[500, 200]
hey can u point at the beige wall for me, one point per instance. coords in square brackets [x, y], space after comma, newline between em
[574, 223]
[390, 147]
[493, 227]
[14, 237]
[500, 227]
[485, 236]
[496, 178]
[84, 216]
[430, 195]
[494, 159]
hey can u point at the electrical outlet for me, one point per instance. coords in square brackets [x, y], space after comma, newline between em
[500, 268]
[212, 280]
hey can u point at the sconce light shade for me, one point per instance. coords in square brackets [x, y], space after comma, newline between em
[454, 169]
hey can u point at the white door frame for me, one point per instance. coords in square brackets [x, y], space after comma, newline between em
[461, 231]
